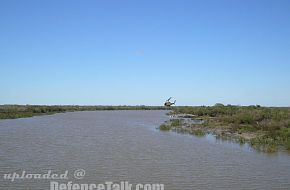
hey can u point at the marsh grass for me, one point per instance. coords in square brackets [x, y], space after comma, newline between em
[198, 132]
[164, 127]
[175, 122]
[270, 126]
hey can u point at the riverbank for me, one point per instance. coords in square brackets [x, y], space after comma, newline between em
[265, 129]
[20, 111]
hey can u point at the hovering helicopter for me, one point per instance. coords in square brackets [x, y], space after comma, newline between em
[168, 103]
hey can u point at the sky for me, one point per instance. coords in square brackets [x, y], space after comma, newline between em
[105, 52]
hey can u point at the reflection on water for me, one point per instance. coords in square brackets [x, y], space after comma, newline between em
[124, 145]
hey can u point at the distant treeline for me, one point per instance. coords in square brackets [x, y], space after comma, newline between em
[19, 111]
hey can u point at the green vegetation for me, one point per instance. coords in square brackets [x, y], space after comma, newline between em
[265, 128]
[175, 122]
[198, 132]
[19, 111]
[178, 125]
[170, 124]
[164, 127]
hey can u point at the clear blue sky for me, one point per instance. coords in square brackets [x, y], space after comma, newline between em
[141, 52]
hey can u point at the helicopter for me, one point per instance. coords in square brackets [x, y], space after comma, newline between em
[168, 103]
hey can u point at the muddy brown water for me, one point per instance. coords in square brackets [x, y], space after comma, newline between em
[125, 146]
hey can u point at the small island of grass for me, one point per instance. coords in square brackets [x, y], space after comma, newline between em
[266, 129]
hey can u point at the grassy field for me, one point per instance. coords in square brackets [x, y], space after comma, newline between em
[19, 111]
[264, 128]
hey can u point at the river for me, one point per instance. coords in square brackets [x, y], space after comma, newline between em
[126, 146]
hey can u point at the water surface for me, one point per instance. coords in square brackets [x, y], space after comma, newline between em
[125, 145]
